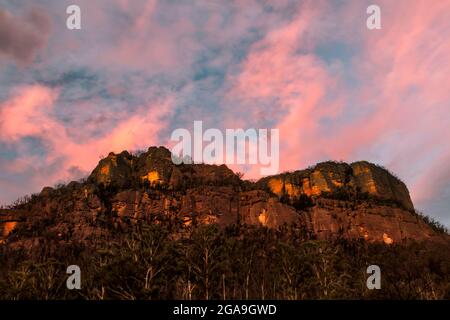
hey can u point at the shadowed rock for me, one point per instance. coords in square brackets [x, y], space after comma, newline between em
[358, 200]
[329, 177]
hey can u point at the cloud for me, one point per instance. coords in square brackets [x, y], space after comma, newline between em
[393, 109]
[22, 37]
[25, 114]
[404, 104]
[281, 82]
[30, 113]
[138, 69]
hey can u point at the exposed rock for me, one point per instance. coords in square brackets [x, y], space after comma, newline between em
[328, 177]
[329, 218]
[47, 191]
[150, 185]
[155, 167]
[379, 182]
[114, 170]
[9, 220]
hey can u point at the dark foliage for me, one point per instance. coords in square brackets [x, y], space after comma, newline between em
[158, 261]
[301, 202]
[435, 225]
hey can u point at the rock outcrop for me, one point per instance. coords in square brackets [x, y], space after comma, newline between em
[358, 200]
[381, 223]
[329, 177]
[155, 167]
[114, 170]
[9, 220]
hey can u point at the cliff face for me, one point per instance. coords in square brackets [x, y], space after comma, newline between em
[8, 221]
[380, 183]
[155, 167]
[360, 200]
[373, 223]
[327, 218]
[328, 177]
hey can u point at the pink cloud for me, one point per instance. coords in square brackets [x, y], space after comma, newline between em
[393, 111]
[401, 72]
[25, 114]
[405, 69]
[433, 180]
[29, 113]
[403, 66]
[296, 82]
[147, 44]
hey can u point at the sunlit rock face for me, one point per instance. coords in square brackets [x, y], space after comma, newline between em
[155, 167]
[329, 218]
[324, 177]
[8, 228]
[149, 185]
[9, 220]
[114, 170]
[327, 177]
[209, 204]
[379, 182]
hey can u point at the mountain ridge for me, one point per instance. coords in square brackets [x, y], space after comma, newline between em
[330, 199]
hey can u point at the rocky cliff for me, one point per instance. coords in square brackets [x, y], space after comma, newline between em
[358, 200]
[358, 178]
[155, 167]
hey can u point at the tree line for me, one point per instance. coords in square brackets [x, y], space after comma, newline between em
[164, 261]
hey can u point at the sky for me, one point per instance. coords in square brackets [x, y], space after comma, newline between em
[137, 70]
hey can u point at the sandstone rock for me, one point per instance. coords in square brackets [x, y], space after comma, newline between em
[376, 223]
[324, 177]
[204, 194]
[379, 182]
[359, 177]
[114, 170]
[155, 167]
[47, 191]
